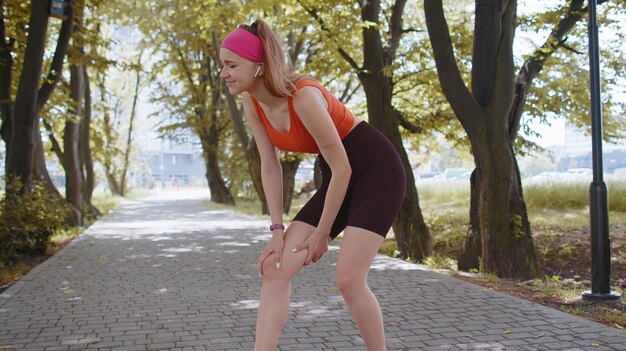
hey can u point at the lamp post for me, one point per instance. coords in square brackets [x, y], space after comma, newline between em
[598, 191]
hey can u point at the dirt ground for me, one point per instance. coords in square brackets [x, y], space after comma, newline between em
[565, 258]
[568, 254]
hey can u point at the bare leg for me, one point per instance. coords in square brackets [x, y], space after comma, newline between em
[358, 248]
[276, 290]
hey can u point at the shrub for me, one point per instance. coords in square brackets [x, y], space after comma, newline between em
[27, 220]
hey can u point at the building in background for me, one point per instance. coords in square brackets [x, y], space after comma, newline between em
[576, 152]
[173, 163]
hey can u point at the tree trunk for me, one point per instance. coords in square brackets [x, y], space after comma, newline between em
[317, 174]
[506, 242]
[412, 235]
[20, 148]
[6, 78]
[108, 163]
[249, 145]
[507, 246]
[112, 181]
[129, 139]
[290, 167]
[85, 150]
[71, 136]
[72, 214]
[523, 81]
[254, 167]
[411, 232]
[471, 252]
[39, 170]
[219, 191]
[72, 160]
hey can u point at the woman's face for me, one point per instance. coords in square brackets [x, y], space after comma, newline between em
[237, 72]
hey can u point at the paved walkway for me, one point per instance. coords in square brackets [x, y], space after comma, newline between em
[167, 273]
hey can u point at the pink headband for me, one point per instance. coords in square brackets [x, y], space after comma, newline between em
[244, 44]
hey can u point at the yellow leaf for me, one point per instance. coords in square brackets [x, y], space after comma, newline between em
[595, 345]
[332, 289]
[508, 331]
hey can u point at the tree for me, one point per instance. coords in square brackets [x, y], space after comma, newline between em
[189, 86]
[502, 222]
[20, 120]
[87, 155]
[129, 137]
[72, 160]
[68, 118]
[494, 109]
[114, 152]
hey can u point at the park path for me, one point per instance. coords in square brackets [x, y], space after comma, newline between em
[168, 273]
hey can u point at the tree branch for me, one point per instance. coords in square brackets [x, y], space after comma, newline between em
[6, 68]
[408, 125]
[395, 29]
[412, 30]
[534, 64]
[56, 67]
[459, 97]
[349, 91]
[570, 48]
[186, 68]
[325, 28]
[56, 146]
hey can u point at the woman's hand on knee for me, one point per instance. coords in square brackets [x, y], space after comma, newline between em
[316, 244]
[275, 246]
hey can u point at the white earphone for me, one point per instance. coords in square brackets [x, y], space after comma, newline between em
[258, 70]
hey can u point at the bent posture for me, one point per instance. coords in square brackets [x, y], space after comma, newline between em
[362, 190]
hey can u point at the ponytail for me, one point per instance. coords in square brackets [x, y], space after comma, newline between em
[278, 76]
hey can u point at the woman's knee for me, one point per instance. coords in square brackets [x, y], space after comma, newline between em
[348, 282]
[270, 272]
[288, 268]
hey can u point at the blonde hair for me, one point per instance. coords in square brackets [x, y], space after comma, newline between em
[278, 76]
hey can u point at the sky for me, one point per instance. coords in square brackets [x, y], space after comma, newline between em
[549, 135]
[553, 134]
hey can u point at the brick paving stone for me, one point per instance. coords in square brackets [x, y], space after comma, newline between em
[168, 273]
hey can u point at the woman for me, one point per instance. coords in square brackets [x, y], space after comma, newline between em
[363, 180]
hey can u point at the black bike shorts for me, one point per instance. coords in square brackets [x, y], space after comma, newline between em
[376, 189]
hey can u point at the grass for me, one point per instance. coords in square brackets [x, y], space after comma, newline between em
[9, 275]
[559, 217]
[567, 195]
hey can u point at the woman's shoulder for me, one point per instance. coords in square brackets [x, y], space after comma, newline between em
[308, 96]
[306, 81]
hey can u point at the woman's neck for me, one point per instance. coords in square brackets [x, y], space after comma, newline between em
[261, 94]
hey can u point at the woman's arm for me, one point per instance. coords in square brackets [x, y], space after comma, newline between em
[311, 107]
[271, 176]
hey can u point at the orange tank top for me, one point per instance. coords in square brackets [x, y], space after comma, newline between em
[298, 138]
